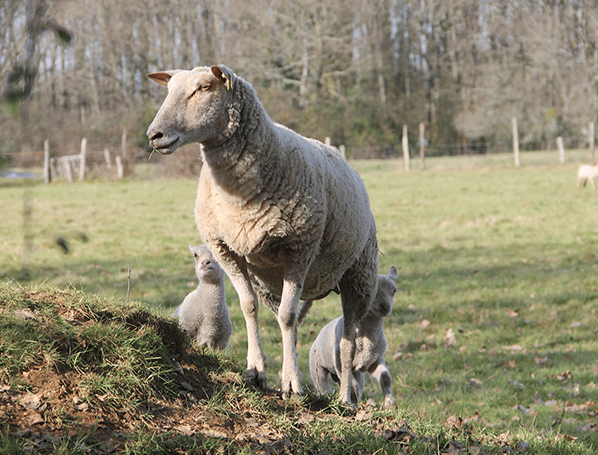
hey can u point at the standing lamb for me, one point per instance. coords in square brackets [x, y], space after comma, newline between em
[203, 313]
[587, 173]
[325, 353]
[285, 216]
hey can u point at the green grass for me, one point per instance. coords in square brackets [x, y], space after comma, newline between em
[506, 258]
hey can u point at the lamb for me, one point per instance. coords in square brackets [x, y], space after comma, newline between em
[285, 216]
[203, 313]
[325, 353]
[587, 173]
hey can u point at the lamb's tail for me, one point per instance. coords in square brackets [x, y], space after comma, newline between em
[303, 310]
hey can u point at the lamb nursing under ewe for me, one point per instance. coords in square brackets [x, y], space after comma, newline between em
[203, 314]
[285, 216]
[325, 353]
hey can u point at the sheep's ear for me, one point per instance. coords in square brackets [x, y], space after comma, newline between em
[393, 273]
[224, 74]
[162, 77]
[191, 248]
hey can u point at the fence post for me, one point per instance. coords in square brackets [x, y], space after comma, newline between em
[67, 169]
[591, 141]
[559, 144]
[515, 141]
[107, 158]
[119, 167]
[405, 144]
[422, 146]
[327, 141]
[82, 159]
[47, 172]
[341, 149]
[124, 163]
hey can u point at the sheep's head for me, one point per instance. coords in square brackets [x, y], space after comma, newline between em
[198, 108]
[382, 304]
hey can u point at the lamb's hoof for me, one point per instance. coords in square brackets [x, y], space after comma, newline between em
[389, 402]
[257, 379]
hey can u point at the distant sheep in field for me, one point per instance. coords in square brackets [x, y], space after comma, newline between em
[587, 173]
[285, 216]
[203, 313]
[325, 353]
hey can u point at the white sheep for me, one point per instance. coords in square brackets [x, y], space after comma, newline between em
[203, 313]
[587, 173]
[325, 353]
[285, 216]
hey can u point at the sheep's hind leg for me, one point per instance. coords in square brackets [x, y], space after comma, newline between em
[358, 288]
[287, 319]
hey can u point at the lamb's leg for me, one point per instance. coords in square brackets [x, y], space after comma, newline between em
[236, 270]
[592, 183]
[319, 375]
[380, 373]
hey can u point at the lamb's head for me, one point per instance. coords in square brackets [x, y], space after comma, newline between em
[200, 107]
[206, 267]
[382, 304]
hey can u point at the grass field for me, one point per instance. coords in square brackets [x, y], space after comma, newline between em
[495, 319]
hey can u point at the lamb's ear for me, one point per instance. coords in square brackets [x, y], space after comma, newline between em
[225, 74]
[393, 273]
[162, 77]
[191, 248]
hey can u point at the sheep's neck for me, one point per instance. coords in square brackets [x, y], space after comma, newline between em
[232, 162]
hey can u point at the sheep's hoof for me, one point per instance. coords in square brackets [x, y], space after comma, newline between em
[257, 379]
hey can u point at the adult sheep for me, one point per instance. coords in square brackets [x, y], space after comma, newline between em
[285, 216]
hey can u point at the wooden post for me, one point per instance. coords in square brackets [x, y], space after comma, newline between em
[47, 171]
[82, 159]
[108, 159]
[422, 146]
[124, 156]
[515, 141]
[405, 144]
[53, 168]
[67, 169]
[119, 167]
[341, 149]
[327, 141]
[591, 141]
[561, 148]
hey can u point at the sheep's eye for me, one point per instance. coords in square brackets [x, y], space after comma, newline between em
[204, 87]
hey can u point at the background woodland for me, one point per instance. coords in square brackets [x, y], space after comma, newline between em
[353, 70]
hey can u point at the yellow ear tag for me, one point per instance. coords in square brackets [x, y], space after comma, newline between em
[228, 84]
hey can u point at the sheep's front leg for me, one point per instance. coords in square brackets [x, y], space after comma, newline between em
[287, 319]
[236, 270]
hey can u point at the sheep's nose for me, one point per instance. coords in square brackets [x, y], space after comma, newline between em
[154, 135]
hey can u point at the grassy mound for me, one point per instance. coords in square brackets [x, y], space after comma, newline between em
[83, 374]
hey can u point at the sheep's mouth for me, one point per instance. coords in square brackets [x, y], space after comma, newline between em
[165, 148]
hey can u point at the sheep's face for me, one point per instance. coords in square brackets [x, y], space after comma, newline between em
[206, 267]
[383, 302]
[196, 108]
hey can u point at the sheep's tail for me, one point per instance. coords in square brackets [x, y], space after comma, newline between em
[303, 310]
